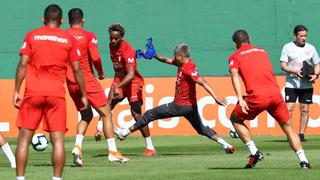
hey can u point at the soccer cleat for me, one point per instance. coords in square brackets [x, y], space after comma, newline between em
[115, 156]
[77, 156]
[119, 133]
[98, 135]
[302, 139]
[230, 150]
[305, 165]
[149, 152]
[253, 160]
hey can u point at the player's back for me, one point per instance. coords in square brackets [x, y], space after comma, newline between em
[82, 38]
[49, 50]
[256, 71]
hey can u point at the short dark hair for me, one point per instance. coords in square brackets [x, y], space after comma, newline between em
[75, 15]
[117, 27]
[53, 13]
[299, 28]
[240, 36]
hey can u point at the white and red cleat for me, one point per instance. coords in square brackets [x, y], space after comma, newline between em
[149, 152]
[116, 156]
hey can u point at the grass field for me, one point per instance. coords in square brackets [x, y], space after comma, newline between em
[178, 157]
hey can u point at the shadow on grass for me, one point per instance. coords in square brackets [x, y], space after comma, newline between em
[242, 168]
[39, 165]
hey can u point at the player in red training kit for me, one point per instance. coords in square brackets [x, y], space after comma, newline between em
[185, 101]
[127, 81]
[252, 64]
[87, 43]
[45, 53]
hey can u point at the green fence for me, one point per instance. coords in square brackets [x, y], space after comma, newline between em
[206, 25]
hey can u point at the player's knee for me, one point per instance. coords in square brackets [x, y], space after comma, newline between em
[136, 107]
[304, 110]
[87, 114]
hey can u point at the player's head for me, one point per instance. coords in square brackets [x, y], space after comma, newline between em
[300, 32]
[53, 15]
[240, 37]
[116, 32]
[181, 52]
[75, 16]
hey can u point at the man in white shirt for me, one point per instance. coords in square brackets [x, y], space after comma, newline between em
[299, 86]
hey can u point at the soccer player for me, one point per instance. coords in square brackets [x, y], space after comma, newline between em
[185, 101]
[127, 81]
[252, 64]
[87, 43]
[5, 147]
[293, 56]
[45, 53]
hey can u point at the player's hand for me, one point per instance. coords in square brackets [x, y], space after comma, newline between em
[313, 78]
[297, 74]
[85, 103]
[221, 101]
[16, 100]
[243, 106]
[116, 93]
[101, 77]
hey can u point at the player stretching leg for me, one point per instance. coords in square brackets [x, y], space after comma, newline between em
[127, 81]
[5, 147]
[185, 101]
[252, 64]
[89, 55]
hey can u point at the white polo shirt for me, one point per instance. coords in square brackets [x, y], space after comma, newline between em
[295, 56]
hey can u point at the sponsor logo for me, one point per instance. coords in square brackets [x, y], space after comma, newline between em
[130, 60]
[251, 50]
[94, 41]
[194, 74]
[78, 37]
[50, 38]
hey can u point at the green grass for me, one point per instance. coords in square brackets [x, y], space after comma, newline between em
[178, 157]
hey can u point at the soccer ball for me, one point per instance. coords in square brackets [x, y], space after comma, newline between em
[233, 134]
[39, 142]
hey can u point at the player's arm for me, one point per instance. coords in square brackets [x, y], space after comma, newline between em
[164, 59]
[127, 79]
[202, 82]
[78, 75]
[95, 55]
[20, 75]
[236, 82]
[286, 68]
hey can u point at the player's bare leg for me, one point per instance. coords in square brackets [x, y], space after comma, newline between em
[304, 119]
[106, 116]
[86, 117]
[24, 140]
[7, 151]
[295, 144]
[58, 153]
[136, 113]
[245, 135]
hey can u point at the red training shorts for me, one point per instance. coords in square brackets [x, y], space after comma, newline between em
[51, 109]
[274, 105]
[132, 91]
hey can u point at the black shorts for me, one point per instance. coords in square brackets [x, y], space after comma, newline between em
[304, 95]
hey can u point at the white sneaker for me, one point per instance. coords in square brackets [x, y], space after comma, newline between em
[119, 133]
[77, 155]
[115, 156]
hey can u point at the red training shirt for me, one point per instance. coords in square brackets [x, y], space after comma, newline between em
[122, 58]
[186, 84]
[50, 50]
[256, 70]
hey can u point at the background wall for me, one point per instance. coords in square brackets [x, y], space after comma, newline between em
[206, 25]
